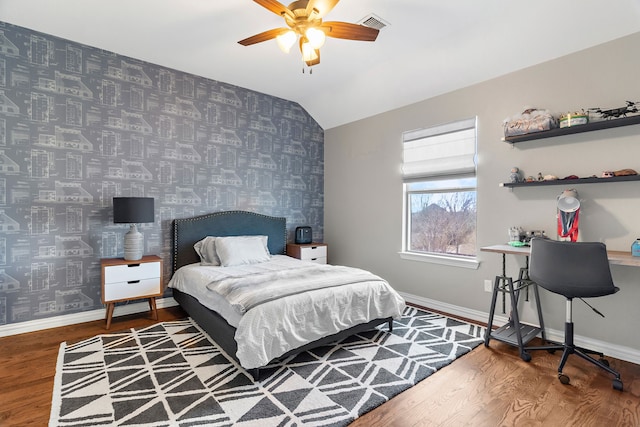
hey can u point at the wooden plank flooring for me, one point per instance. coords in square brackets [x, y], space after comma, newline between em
[487, 387]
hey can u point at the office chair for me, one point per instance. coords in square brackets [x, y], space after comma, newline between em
[573, 270]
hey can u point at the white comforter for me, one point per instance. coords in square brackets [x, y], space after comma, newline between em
[268, 329]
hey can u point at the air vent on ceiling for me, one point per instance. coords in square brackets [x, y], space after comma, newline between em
[373, 21]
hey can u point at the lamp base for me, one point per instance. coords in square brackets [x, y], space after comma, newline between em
[133, 244]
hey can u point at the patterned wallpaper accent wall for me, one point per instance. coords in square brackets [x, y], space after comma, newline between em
[80, 125]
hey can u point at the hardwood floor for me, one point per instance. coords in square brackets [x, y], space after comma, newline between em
[487, 387]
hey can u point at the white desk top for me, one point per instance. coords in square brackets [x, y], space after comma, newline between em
[615, 257]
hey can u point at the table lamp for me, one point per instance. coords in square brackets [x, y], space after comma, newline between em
[133, 210]
[568, 214]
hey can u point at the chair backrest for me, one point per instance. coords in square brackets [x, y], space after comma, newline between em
[572, 269]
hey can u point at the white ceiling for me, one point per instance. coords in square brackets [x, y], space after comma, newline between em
[429, 47]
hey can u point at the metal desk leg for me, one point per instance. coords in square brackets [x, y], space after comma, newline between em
[515, 321]
[492, 310]
[536, 294]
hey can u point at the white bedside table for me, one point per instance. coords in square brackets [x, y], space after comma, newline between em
[315, 252]
[124, 280]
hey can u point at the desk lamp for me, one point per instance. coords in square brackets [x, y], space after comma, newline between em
[133, 210]
[568, 214]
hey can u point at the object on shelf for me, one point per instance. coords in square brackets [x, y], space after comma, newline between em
[630, 108]
[574, 119]
[515, 175]
[549, 178]
[529, 121]
[625, 172]
[635, 248]
[607, 174]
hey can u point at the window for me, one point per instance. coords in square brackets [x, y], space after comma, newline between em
[439, 173]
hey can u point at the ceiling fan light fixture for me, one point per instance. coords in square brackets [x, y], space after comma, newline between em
[286, 41]
[308, 52]
[305, 23]
[316, 37]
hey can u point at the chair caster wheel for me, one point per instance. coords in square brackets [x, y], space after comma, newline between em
[605, 362]
[564, 379]
[525, 356]
[617, 384]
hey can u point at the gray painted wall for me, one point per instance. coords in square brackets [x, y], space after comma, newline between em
[79, 125]
[363, 185]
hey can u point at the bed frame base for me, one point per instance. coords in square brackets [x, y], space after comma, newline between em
[223, 333]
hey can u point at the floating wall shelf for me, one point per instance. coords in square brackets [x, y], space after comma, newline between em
[570, 182]
[602, 124]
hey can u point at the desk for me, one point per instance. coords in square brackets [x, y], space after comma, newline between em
[514, 332]
[615, 257]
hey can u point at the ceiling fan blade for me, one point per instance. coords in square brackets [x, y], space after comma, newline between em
[264, 36]
[275, 7]
[322, 6]
[345, 30]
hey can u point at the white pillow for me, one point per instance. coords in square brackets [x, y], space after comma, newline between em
[206, 250]
[239, 250]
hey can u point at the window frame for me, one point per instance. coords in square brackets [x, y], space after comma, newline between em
[447, 179]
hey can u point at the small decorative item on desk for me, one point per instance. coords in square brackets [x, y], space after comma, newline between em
[574, 119]
[531, 234]
[635, 247]
[515, 236]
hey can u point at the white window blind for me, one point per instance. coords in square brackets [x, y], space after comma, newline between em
[448, 149]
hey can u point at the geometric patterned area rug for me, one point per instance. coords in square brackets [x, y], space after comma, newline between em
[173, 374]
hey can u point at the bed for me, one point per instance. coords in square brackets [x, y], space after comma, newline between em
[191, 283]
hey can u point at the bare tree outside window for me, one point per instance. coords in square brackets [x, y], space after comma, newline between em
[443, 223]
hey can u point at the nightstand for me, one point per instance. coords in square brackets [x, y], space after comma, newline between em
[124, 280]
[315, 252]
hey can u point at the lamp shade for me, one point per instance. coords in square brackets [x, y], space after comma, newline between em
[568, 201]
[132, 210]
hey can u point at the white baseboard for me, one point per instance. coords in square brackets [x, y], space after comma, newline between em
[612, 350]
[85, 316]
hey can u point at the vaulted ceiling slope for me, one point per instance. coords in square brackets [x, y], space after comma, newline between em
[427, 47]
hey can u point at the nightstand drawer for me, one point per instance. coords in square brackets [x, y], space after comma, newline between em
[132, 289]
[127, 273]
[310, 252]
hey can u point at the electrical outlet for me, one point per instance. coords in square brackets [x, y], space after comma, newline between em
[488, 286]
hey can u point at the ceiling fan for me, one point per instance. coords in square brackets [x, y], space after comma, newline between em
[304, 23]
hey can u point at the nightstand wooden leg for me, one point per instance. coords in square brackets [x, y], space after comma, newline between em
[154, 309]
[110, 307]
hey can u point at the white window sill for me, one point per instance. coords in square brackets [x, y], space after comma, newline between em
[441, 259]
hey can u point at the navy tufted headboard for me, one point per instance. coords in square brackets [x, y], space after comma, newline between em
[188, 231]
